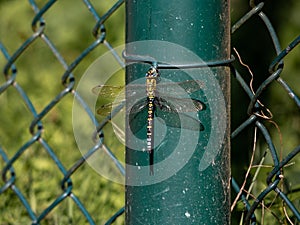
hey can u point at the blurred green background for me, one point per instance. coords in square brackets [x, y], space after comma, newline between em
[69, 25]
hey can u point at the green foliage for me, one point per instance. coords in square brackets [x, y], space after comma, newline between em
[69, 26]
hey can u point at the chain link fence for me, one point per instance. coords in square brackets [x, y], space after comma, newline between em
[268, 191]
[44, 177]
[46, 180]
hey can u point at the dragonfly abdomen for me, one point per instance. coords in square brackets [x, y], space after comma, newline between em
[150, 131]
[151, 78]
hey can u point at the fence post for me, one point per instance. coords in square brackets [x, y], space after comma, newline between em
[191, 195]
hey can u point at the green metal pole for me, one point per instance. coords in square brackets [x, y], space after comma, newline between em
[197, 193]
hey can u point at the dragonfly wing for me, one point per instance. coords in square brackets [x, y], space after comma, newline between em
[118, 131]
[180, 105]
[134, 91]
[138, 116]
[137, 107]
[184, 87]
[174, 114]
[191, 86]
[180, 120]
[107, 91]
[105, 110]
[169, 88]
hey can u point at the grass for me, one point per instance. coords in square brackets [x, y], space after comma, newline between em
[39, 74]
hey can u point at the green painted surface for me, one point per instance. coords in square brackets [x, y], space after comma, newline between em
[192, 194]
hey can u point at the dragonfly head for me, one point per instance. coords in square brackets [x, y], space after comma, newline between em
[152, 73]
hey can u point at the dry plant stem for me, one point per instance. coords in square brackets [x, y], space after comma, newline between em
[287, 216]
[255, 175]
[261, 114]
[248, 171]
[262, 215]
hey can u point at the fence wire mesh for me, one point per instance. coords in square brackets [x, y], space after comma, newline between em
[268, 191]
[40, 161]
[44, 177]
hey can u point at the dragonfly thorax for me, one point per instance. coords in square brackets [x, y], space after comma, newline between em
[151, 79]
[151, 87]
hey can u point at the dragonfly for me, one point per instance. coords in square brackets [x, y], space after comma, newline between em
[155, 104]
